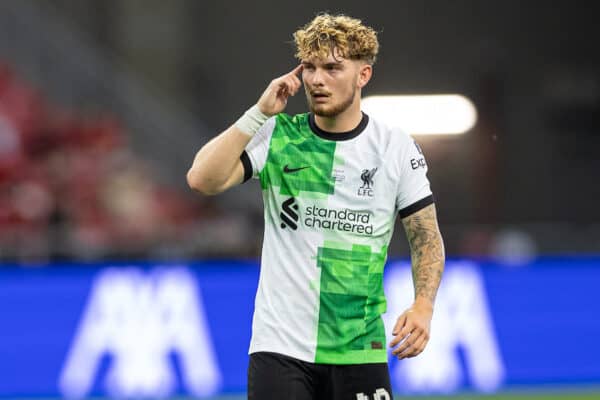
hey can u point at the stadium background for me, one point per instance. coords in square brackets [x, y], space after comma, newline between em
[104, 103]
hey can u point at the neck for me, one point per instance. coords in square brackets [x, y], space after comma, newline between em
[343, 122]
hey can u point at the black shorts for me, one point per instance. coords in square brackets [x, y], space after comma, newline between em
[273, 376]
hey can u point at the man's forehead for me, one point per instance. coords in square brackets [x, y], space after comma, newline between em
[330, 59]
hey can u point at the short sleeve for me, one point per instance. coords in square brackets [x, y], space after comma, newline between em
[255, 154]
[413, 192]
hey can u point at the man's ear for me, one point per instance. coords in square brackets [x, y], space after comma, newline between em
[364, 75]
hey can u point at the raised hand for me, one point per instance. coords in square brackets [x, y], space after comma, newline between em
[274, 99]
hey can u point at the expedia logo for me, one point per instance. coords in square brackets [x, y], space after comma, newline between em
[416, 163]
[289, 214]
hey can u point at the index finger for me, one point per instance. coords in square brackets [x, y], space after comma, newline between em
[397, 339]
[296, 70]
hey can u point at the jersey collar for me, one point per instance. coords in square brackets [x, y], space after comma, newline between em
[338, 135]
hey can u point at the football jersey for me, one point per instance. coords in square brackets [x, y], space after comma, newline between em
[330, 203]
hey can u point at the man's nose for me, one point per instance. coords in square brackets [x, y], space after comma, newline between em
[316, 78]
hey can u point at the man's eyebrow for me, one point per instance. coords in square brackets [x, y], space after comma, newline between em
[328, 64]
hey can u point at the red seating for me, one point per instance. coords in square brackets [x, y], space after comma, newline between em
[70, 187]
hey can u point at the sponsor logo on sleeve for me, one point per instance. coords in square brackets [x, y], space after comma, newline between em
[418, 162]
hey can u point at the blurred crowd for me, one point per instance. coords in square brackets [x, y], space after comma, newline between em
[72, 189]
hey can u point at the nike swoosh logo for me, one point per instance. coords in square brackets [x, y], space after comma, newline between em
[289, 170]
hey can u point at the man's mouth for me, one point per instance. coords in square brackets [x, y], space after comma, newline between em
[319, 95]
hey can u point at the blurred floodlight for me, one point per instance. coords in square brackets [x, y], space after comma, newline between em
[440, 114]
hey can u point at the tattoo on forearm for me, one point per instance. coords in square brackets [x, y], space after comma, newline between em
[427, 251]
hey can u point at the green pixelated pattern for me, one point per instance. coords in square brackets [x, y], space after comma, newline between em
[350, 328]
[293, 144]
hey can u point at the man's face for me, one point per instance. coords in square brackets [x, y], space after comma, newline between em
[330, 84]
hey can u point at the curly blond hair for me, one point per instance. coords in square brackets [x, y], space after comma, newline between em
[348, 36]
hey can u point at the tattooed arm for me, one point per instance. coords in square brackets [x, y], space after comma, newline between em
[426, 253]
[427, 257]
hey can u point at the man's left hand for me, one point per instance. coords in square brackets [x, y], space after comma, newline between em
[412, 331]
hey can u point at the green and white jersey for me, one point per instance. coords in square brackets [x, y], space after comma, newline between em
[330, 202]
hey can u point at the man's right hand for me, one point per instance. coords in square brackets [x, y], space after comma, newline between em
[217, 165]
[274, 99]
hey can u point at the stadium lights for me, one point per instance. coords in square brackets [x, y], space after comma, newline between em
[440, 114]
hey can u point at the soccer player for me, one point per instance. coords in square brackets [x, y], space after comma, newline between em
[334, 181]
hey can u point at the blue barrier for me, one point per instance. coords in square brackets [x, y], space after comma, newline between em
[151, 330]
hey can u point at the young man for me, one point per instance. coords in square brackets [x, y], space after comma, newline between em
[333, 182]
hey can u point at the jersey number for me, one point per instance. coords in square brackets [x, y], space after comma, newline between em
[380, 394]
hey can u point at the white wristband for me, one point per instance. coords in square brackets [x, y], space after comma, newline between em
[251, 121]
